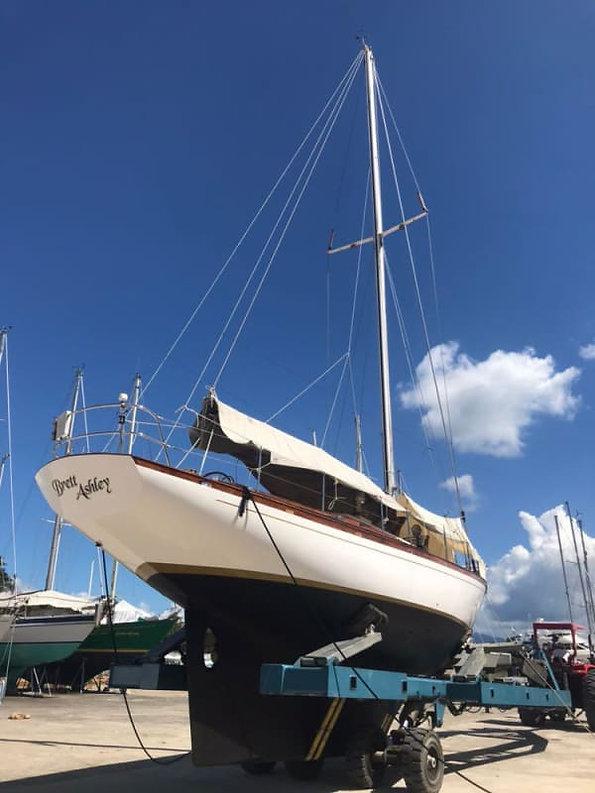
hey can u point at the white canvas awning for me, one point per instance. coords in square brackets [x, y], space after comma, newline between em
[262, 447]
[452, 529]
[291, 452]
[48, 599]
[298, 470]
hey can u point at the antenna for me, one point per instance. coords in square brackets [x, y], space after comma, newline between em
[581, 577]
[588, 584]
[563, 569]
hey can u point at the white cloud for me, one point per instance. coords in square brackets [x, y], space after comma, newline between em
[587, 352]
[491, 402]
[526, 584]
[466, 489]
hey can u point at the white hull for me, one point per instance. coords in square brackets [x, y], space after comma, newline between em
[6, 623]
[156, 521]
[52, 630]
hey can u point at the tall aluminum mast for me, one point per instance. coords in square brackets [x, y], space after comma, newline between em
[567, 591]
[581, 578]
[387, 422]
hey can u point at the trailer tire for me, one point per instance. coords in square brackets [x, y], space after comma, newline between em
[365, 768]
[258, 767]
[304, 770]
[531, 717]
[423, 761]
[589, 698]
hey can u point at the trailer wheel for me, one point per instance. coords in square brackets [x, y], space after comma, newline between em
[589, 698]
[257, 767]
[423, 761]
[531, 717]
[557, 715]
[304, 770]
[365, 758]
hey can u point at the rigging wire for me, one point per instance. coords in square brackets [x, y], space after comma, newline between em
[338, 201]
[308, 387]
[10, 459]
[352, 320]
[85, 422]
[326, 130]
[420, 304]
[315, 153]
[421, 400]
[8, 654]
[440, 332]
[359, 262]
[327, 126]
[250, 225]
[334, 403]
[431, 258]
[287, 224]
[397, 130]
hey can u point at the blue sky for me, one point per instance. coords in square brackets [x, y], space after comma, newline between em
[138, 139]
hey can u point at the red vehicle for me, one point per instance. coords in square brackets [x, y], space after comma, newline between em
[573, 665]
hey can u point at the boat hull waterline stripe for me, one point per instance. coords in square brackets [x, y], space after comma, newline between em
[149, 570]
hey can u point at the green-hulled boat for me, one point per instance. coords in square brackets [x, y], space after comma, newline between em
[40, 640]
[96, 652]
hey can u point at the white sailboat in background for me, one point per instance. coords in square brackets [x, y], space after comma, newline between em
[38, 628]
[255, 566]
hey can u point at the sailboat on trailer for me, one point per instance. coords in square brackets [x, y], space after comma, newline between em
[321, 554]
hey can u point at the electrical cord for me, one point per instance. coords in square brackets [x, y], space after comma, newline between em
[157, 760]
[247, 495]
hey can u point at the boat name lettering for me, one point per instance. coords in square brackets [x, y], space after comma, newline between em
[60, 485]
[92, 486]
[83, 489]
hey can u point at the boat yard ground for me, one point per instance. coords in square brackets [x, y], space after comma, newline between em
[83, 743]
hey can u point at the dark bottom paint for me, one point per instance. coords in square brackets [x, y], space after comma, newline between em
[260, 621]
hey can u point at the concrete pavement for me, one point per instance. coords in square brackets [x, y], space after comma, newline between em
[83, 743]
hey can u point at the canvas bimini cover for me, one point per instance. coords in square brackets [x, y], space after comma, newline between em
[47, 601]
[299, 471]
[285, 465]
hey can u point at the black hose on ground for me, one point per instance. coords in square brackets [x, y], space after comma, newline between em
[157, 760]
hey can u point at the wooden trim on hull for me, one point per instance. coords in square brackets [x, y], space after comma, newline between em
[150, 569]
[347, 524]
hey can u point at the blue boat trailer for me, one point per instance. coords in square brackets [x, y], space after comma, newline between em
[404, 739]
[322, 706]
[332, 681]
